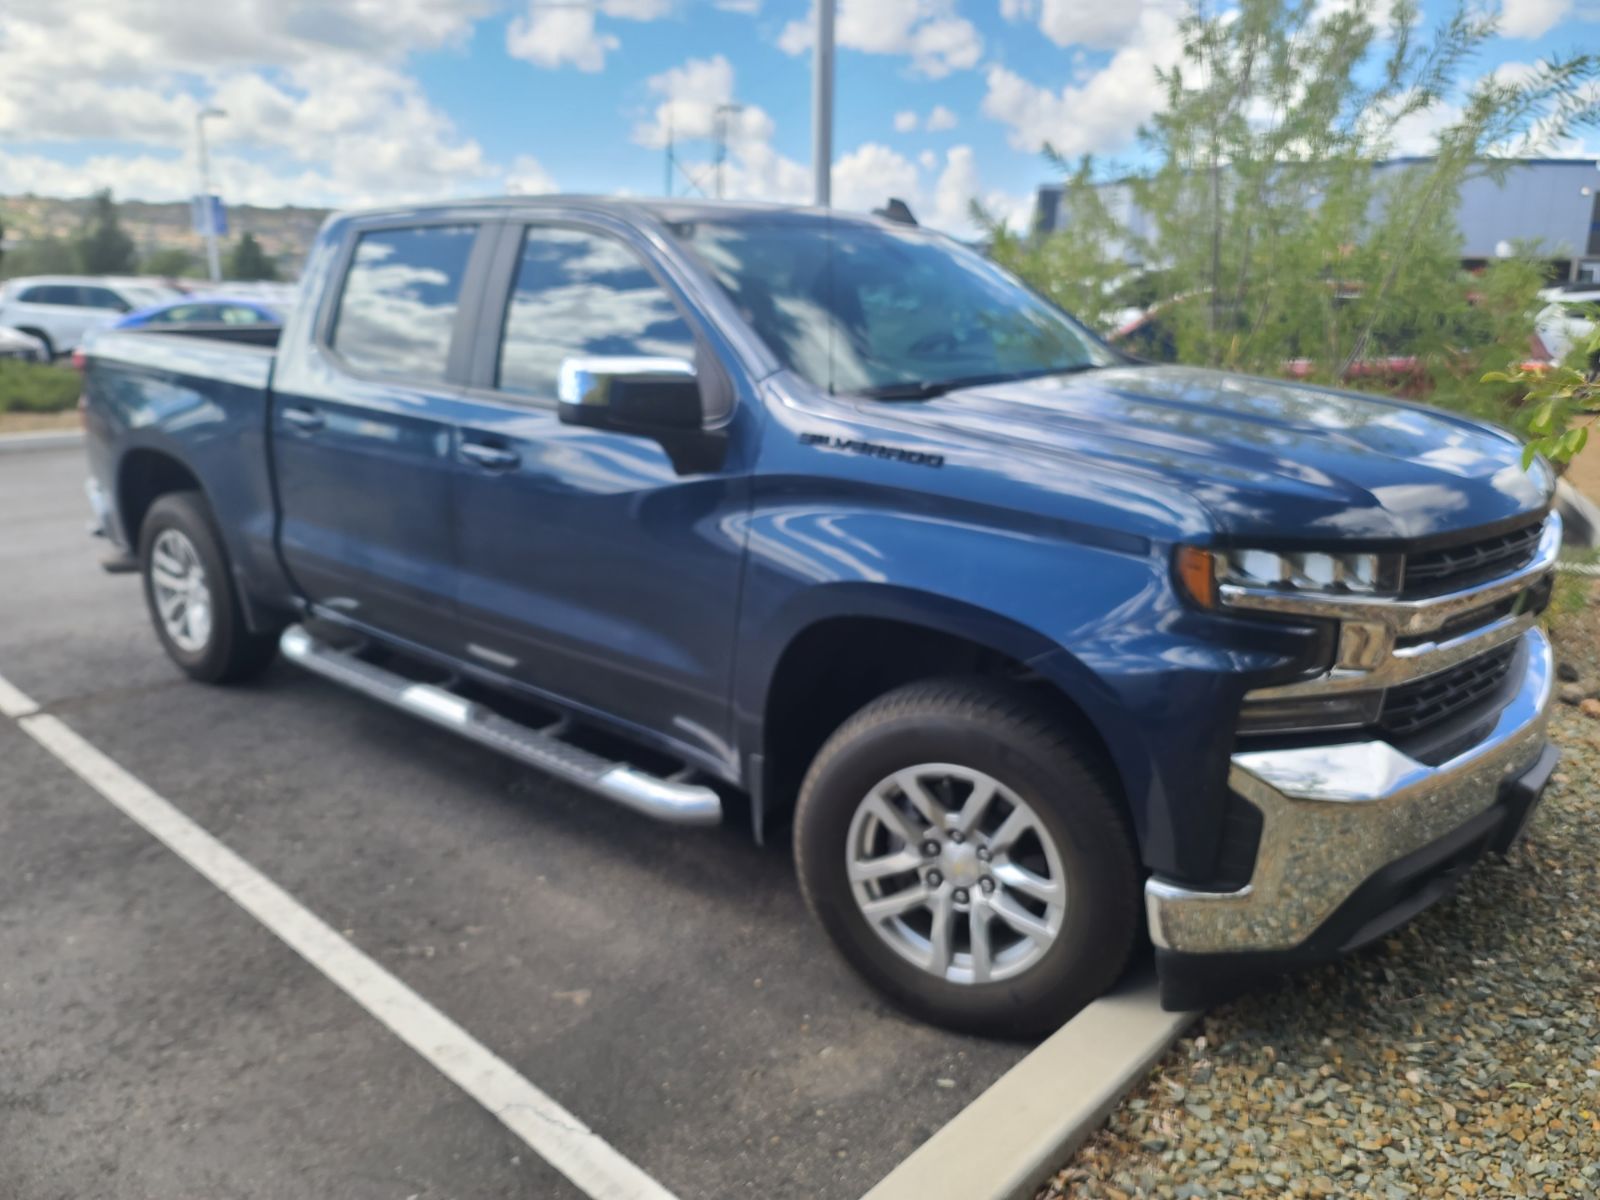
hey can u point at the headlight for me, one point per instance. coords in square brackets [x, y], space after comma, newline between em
[1348, 573]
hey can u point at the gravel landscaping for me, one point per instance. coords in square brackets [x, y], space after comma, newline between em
[1460, 1057]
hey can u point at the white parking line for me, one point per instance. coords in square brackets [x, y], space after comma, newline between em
[549, 1130]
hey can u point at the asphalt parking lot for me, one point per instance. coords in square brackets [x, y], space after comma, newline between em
[665, 986]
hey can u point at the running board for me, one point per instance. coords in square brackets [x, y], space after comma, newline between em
[664, 799]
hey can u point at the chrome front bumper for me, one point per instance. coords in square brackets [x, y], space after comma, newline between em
[1335, 815]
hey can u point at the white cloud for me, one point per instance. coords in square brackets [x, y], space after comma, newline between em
[1531, 18]
[320, 109]
[927, 31]
[869, 175]
[928, 159]
[958, 185]
[1103, 112]
[527, 177]
[1080, 22]
[549, 35]
[554, 37]
[941, 119]
[905, 122]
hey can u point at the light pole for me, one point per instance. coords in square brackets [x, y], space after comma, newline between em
[206, 211]
[822, 108]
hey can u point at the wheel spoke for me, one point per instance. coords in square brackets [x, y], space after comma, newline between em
[982, 792]
[164, 561]
[862, 870]
[896, 904]
[893, 820]
[943, 908]
[978, 927]
[162, 577]
[932, 811]
[1020, 879]
[1011, 829]
[1020, 919]
[170, 604]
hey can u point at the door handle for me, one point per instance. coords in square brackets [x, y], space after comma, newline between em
[304, 419]
[490, 458]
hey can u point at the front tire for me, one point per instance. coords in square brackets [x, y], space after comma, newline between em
[967, 853]
[191, 595]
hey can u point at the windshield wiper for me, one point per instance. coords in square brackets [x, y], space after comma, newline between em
[926, 389]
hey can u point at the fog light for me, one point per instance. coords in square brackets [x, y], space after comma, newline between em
[1294, 714]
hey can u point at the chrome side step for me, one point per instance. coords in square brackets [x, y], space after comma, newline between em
[664, 799]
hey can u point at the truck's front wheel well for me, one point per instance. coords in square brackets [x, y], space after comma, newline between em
[836, 667]
[146, 476]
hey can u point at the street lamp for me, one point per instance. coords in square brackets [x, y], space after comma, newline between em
[822, 107]
[206, 210]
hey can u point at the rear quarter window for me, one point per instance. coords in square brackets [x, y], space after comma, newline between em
[397, 307]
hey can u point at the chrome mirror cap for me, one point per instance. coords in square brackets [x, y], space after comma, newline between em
[586, 380]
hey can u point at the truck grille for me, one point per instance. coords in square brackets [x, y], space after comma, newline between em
[1426, 702]
[1433, 572]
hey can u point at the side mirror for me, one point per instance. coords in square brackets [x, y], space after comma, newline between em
[630, 394]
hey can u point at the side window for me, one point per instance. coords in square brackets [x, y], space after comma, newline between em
[238, 314]
[399, 301]
[46, 293]
[99, 297]
[582, 293]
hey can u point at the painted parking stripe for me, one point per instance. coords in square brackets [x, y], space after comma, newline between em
[549, 1130]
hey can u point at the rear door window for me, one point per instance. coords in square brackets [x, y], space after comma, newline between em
[398, 306]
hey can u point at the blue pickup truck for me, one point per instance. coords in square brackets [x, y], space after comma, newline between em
[826, 523]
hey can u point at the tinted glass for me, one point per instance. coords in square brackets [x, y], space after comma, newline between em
[400, 299]
[99, 297]
[49, 294]
[853, 306]
[582, 293]
[238, 314]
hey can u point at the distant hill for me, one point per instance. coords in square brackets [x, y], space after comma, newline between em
[284, 233]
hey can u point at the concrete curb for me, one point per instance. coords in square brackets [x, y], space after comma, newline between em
[1012, 1138]
[48, 439]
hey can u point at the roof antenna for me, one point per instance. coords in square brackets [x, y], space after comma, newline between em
[896, 210]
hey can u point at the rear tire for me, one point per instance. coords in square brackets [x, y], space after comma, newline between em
[49, 346]
[193, 601]
[1036, 923]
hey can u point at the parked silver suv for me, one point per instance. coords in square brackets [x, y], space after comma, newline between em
[60, 309]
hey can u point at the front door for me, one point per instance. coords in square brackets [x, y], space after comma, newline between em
[361, 432]
[591, 568]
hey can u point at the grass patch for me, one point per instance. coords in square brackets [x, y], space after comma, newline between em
[36, 388]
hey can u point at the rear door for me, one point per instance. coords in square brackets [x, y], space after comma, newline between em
[592, 569]
[362, 430]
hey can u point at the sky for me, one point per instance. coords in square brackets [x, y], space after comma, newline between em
[358, 102]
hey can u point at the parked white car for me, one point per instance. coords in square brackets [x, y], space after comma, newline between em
[1568, 317]
[15, 344]
[60, 309]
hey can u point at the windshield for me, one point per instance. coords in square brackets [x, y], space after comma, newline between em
[873, 309]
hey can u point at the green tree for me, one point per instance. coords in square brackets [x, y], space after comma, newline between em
[103, 247]
[170, 262]
[248, 261]
[1275, 226]
[41, 256]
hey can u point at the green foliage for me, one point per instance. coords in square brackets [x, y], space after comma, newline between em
[248, 261]
[41, 256]
[1271, 234]
[34, 387]
[1552, 398]
[1071, 267]
[171, 262]
[103, 247]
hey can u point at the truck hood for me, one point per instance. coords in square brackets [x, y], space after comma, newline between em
[1266, 459]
